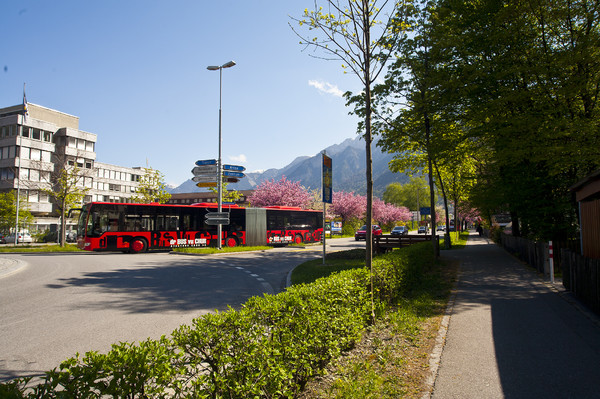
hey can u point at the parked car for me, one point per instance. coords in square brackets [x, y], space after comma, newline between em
[399, 231]
[441, 227]
[71, 236]
[2, 239]
[22, 238]
[422, 230]
[361, 234]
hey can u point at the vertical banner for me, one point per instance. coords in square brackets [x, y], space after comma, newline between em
[327, 180]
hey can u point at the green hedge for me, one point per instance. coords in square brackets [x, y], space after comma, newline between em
[269, 348]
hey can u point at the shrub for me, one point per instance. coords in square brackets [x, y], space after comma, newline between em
[269, 348]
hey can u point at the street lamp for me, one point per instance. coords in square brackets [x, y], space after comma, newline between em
[219, 164]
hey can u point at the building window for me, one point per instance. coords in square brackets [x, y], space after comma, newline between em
[25, 131]
[35, 154]
[47, 137]
[36, 134]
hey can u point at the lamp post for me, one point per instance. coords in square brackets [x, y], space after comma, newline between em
[219, 163]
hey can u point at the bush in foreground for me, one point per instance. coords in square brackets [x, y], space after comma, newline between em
[270, 348]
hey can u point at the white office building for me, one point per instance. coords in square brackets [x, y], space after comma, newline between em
[34, 140]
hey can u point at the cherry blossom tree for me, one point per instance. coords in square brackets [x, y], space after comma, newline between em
[280, 193]
[348, 205]
[388, 214]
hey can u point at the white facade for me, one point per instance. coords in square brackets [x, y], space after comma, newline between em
[33, 144]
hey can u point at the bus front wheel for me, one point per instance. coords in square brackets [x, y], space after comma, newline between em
[138, 245]
[230, 242]
[298, 239]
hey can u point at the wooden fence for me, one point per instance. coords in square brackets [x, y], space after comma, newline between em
[533, 253]
[581, 276]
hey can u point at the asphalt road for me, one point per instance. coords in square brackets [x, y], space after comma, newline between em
[56, 305]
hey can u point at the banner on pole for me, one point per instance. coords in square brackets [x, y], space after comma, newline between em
[327, 180]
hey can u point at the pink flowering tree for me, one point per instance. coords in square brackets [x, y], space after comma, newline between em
[348, 205]
[280, 193]
[350, 208]
[388, 214]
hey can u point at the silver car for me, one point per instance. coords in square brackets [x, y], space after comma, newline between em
[24, 238]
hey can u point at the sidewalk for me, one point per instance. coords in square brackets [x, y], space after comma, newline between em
[512, 336]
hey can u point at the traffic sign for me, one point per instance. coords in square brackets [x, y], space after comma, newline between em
[216, 218]
[198, 170]
[204, 178]
[234, 167]
[231, 179]
[233, 174]
[207, 184]
[206, 162]
[214, 222]
[217, 215]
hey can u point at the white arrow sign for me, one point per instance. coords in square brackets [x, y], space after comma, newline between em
[204, 169]
[199, 178]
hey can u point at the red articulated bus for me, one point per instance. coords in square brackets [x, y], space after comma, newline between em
[107, 226]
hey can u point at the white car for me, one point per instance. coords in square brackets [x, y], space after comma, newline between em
[24, 238]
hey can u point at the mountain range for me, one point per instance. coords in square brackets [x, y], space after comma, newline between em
[349, 171]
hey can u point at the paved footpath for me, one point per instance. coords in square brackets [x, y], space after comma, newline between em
[510, 335]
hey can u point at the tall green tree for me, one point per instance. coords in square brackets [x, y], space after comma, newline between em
[526, 82]
[152, 188]
[411, 107]
[412, 195]
[66, 189]
[352, 32]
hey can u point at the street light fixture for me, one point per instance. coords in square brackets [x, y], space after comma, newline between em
[219, 163]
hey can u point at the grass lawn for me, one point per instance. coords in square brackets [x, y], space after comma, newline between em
[392, 358]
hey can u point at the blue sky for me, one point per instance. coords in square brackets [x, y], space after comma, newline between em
[135, 74]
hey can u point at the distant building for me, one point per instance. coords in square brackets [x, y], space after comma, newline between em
[33, 143]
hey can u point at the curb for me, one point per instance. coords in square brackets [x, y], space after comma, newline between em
[10, 266]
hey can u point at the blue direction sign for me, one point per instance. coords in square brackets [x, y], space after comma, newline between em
[203, 162]
[233, 174]
[234, 167]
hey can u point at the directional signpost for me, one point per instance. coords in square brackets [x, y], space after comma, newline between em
[215, 218]
[204, 162]
[232, 174]
[202, 170]
[207, 184]
[234, 167]
[205, 175]
[204, 178]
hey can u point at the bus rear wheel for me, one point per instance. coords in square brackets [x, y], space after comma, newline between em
[138, 245]
[298, 239]
[230, 242]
